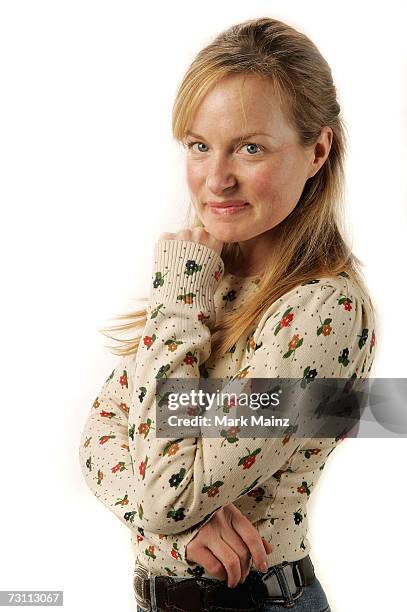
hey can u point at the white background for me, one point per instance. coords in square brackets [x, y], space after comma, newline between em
[90, 176]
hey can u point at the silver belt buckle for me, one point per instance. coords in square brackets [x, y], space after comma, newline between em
[140, 574]
[274, 588]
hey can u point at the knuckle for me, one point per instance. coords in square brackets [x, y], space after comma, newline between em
[214, 567]
[232, 565]
[251, 540]
[193, 546]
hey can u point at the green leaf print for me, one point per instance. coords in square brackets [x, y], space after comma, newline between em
[159, 279]
[156, 311]
[293, 345]
[177, 515]
[324, 328]
[213, 488]
[285, 320]
[363, 337]
[343, 357]
[163, 371]
[187, 298]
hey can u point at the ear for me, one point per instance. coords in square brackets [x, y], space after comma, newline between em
[321, 150]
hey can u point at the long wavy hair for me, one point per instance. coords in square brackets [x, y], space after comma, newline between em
[311, 240]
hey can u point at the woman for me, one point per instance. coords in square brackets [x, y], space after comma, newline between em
[260, 285]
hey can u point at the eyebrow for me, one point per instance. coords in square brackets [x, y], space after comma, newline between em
[238, 139]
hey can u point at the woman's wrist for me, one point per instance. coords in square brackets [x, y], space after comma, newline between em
[185, 272]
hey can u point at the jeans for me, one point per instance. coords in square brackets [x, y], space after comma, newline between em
[313, 599]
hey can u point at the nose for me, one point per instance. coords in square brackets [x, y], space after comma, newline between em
[220, 175]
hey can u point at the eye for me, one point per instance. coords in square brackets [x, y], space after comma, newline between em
[252, 144]
[190, 146]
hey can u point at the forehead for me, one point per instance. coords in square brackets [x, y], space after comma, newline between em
[239, 102]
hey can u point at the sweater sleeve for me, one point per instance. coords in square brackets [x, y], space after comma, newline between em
[180, 482]
[104, 454]
[105, 459]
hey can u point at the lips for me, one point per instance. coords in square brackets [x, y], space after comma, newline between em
[228, 209]
[227, 204]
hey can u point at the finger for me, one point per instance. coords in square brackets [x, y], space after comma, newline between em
[233, 539]
[251, 537]
[211, 563]
[267, 546]
[229, 559]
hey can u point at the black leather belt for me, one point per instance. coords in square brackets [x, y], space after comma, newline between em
[282, 583]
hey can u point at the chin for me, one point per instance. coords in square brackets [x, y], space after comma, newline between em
[226, 235]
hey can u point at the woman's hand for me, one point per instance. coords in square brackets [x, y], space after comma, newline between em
[225, 545]
[196, 234]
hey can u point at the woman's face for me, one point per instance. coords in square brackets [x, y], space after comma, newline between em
[267, 170]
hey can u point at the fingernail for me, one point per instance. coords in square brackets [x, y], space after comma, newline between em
[264, 567]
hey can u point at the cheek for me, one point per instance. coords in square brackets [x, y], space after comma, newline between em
[265, 186]
[279, 184]
[193, 177]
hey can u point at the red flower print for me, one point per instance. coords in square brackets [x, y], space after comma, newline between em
[104, 413]
[248, 462]
[174, 553]
[189, 360]
[151, 549]
[148, 341]
[373, 339]
[294, 341]
[139, 538]
[243, 373]
[142, 468]
[96, 404]
[231, 433]
[285, 321]
[173, 448]
[104, 439]
[192, 411]
[347, 305]
[123, 379]
[116, 468]
[255, 492]
[326, 330]
[301, 489]
[142, 428]
[286, 439]
[213, 492]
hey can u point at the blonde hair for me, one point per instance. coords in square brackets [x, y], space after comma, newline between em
[309, 242]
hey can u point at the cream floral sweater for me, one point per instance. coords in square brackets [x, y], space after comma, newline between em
[164, 489]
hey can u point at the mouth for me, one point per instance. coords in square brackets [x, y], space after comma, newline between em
[227, 209]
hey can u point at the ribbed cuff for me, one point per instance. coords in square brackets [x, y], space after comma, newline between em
[186, 273]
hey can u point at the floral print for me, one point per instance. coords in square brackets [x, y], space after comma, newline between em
[164, 489]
